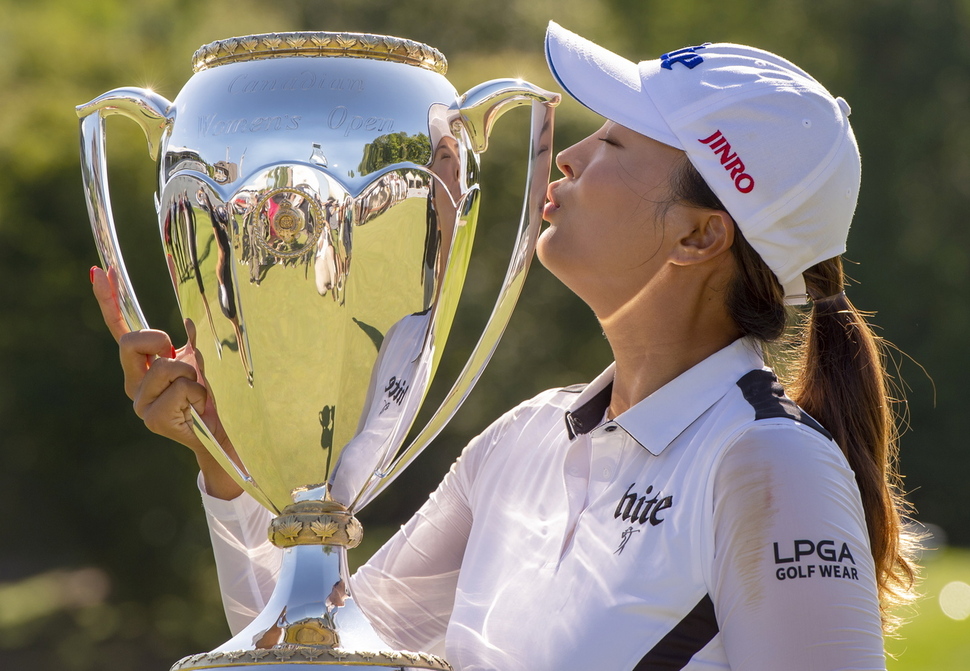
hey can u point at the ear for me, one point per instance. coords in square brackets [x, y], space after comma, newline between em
[711, 235]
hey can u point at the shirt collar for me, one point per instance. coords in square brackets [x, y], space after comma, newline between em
[587, 412]
[658, 419]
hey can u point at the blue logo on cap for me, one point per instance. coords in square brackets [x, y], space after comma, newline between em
[687, 56]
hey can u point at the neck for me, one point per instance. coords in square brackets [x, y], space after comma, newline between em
[657, 336]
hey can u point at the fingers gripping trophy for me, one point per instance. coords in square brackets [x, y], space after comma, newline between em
[317, 201]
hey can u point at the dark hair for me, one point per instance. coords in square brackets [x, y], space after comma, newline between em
[837, 373]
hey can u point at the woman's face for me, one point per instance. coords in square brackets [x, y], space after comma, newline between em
[607, 215]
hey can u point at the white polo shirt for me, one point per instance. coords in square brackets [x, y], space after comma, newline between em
[711, 526]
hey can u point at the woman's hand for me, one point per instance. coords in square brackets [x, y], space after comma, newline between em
[166, 384]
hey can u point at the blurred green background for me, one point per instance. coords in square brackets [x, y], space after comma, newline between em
[104, 557]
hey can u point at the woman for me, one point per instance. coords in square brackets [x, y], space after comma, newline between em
[680, 511]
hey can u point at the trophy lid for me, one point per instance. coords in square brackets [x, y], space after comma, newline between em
[354, 45]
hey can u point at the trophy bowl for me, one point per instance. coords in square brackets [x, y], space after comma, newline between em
[317, 202]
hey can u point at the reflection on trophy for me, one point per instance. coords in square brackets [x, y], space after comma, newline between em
[317, 200]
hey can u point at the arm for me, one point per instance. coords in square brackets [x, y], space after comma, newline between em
[247, 563]
[407, 589]
[793, 579]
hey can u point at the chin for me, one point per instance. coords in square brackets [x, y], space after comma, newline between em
[545, 249]
[555, 260]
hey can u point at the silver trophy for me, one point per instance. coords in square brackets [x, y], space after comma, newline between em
[317, 201]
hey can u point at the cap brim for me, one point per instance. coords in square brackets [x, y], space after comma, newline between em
[606, 83]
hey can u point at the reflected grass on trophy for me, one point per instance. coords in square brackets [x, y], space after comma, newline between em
[291, 355]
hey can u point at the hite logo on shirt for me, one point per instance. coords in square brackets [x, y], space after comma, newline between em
[835, 560]
[636, 508]
[640, 509]
[394, 392]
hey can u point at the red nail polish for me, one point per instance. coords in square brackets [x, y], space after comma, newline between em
[91, 273]
[173, 352]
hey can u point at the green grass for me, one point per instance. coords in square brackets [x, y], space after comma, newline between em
[931, 641]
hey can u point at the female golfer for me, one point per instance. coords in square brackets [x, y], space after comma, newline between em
[680, 511]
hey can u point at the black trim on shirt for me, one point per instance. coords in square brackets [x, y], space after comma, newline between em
[762, 390]
[588, 416]
[686, 639]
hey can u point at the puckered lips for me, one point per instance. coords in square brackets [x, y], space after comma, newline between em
[551, 204]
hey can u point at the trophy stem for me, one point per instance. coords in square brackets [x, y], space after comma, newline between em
[310, 619]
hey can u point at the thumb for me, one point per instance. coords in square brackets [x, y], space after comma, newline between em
[192, 334]
[190, 331]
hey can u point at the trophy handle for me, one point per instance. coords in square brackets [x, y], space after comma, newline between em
[479, 108]
[154, 114]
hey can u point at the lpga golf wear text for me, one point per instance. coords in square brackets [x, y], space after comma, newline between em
[835, 559]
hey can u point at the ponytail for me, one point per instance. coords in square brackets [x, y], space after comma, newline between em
[837, 373]
[841, 381]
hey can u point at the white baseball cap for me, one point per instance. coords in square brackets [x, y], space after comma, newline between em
[774, 145]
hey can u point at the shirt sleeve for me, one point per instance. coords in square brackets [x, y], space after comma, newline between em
[246, 562]
[793, 580]
[407, 589]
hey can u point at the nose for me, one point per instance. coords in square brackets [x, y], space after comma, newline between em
[565, 161]
[572, 159]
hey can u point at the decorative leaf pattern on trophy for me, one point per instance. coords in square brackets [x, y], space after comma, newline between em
[355, 533]
[274, 45]
[324, 531]
[289, 528]
[313, 653]
[283, 654]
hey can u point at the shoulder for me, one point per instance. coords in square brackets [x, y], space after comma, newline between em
[543, 413]
[785, 453]
[548, 404]
[773, 447]
[766, 397]
[793, 481]
[773, 432]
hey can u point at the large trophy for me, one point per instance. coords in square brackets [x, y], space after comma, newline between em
[317, 202]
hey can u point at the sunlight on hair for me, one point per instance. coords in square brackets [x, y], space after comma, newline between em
[955, 600]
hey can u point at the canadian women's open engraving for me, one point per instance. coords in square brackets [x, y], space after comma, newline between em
[211, 125]
[305, 81]
[341, 118]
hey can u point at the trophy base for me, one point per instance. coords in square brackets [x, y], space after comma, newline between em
[311, 619]
[299, 657]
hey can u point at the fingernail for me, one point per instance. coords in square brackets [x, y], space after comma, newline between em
[173, 353]
[148, 360]
[91, 273]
